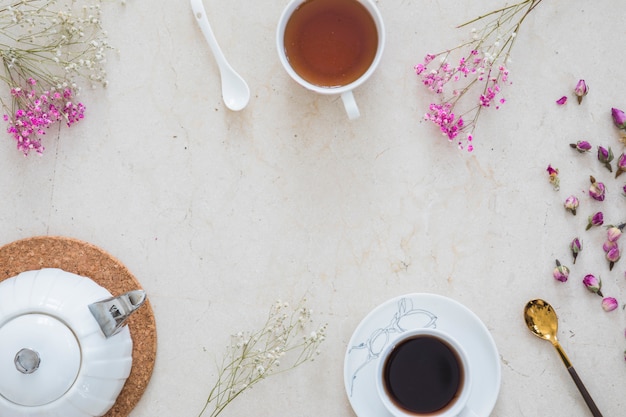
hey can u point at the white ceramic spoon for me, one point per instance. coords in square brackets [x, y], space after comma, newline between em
[235, 91]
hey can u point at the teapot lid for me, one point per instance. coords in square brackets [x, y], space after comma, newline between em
[39, 359]
[54, 359]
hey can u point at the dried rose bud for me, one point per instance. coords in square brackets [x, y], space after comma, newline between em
[554, 177]
[571, 204]
[619, 118]
[621, 165]
[605, 156]
[581, 90]
[595, 220]
[581, 146]
[597, 190]
[609, 304]
[593, 284]
[576, 247]
[612, 256]
[561, 101]
[608, 245]
[560, 272]
[613, 233]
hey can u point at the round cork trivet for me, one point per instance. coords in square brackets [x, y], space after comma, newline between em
[87, 260]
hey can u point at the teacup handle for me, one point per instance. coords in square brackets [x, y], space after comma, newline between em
[350, 104]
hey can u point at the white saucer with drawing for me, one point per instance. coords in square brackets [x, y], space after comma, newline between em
[414, 311]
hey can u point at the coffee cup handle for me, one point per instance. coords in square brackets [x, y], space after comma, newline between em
[350, 104]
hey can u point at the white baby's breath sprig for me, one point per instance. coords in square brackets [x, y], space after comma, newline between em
[287, 340]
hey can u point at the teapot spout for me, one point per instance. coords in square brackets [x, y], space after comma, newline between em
[112, 313]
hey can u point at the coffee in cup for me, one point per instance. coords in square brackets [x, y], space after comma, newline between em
[331, 46]
[424, 372]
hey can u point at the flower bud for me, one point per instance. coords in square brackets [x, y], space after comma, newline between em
[560, 272]
[571, 204]
[613, 256]
[613, 233]
[597, 190]
[554, 177]
[595, 220]
[619, 118]
[621, 165]
[605, 156]
[576, 247]
[593, 284]
[608, 245]
[609, 303]
[581, 90]
[581, 146]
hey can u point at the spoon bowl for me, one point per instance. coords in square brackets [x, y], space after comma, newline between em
[235, 90]
[542, 321]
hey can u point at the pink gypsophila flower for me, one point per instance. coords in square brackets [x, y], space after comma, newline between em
[443, 116]
[40, 111]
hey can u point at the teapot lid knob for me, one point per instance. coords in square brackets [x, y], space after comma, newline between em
[27, 361]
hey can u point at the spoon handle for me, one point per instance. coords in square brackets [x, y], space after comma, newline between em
[201, 17]
[587, 397]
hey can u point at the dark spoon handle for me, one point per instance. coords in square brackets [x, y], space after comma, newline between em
[581, 387]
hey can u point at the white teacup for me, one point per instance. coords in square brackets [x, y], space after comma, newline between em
[425, 372]
[311, 66]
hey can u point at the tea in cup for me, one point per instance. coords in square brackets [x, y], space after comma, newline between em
[331, 46]
[424, 372]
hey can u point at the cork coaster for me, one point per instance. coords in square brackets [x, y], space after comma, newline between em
[87, 260]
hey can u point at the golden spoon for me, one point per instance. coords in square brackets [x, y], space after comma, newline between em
[542, 321]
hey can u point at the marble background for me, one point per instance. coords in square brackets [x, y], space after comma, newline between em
[220, 213]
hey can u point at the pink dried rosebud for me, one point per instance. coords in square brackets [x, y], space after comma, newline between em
[613, 233]
[576, 247]
[554, 177]
[595, 220]
[612, 256]
[561, 101]
[581, 90]
[621, 165]
[609, 303]
[597, 190]
[608, 245]
[581, 146]
[560, 272]
[571, 204]
[593, 284]
[619, 118]
[605, 156]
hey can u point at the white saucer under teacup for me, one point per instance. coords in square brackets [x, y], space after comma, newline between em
[410, 312]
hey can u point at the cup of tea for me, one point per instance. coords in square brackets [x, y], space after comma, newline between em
[331, 46]
[424, 372]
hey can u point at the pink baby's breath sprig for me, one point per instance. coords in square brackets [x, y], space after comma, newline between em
[37, 112]
[470, 77]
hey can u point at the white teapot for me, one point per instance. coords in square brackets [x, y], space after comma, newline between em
[64, 349]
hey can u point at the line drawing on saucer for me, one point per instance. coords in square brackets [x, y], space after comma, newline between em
[405, 317]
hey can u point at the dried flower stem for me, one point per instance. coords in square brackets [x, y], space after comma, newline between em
[252, 357]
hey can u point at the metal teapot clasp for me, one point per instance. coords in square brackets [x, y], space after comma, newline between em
[112, 313]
